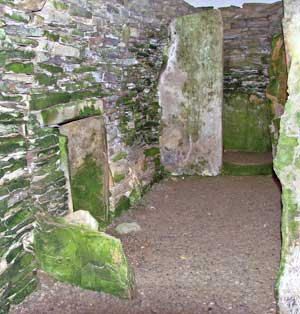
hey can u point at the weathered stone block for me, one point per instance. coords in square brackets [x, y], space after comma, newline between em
[191, 92]
[91, 260]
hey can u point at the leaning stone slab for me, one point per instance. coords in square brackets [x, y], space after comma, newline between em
[76, 255]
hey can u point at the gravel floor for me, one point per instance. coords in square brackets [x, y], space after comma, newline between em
[209, 245]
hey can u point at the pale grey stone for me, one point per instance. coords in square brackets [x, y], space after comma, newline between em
[82, 217]
[126, 228]
[191, 96]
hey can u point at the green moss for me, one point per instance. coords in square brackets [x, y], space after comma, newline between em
[15, 54]
[89, 111]
[51, 36]
[49, 115]
[44, 79]
[38, 102]
[118, 177]
[135, 195]
[17, 17]
[88, 189]
[51, 68]
[119, 156]
[59, 5]
[245, 124]
[10, 144]
[12, 165]
[63, 149]
[91, 260]
[122, 205]
[231, 169]
[85, 68]
[24, 41]
[151, 151]
[19, 67]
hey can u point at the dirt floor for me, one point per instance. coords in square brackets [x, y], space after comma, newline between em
[207, 245]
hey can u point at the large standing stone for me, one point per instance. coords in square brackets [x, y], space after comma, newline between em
[87, 154]
[287, 167]
[88, 259]
[191, 93]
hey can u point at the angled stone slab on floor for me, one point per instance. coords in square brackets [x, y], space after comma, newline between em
[88, 259]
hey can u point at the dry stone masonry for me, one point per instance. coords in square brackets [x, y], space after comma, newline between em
[248, 33]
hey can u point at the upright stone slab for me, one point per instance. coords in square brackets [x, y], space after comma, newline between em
[87, 154]
[191, 95]
[287, 167]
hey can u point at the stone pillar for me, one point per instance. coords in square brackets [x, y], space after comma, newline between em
[191, 95]
[287, 167]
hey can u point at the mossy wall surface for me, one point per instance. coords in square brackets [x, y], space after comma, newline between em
[191, 92]
[247, 56]
[246, 121]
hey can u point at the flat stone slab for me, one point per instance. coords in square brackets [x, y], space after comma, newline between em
[126, 228]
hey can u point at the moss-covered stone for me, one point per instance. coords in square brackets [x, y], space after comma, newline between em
[246, 121]
[119, 156]
[18, 17]
[15, 54]
[50, 99]
[51, 36]
[44, 79]
[51, 68]
[150, 152]
[91, 260]
[85, 68]
[231, 169]
[18, 67]
[10, 144]
[88, 190]
[122, 205]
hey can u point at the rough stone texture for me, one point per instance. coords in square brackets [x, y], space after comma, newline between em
[248, 33]
[85, 258]
[287, 168]
[277, 88]
[191, 96]
[89, 174]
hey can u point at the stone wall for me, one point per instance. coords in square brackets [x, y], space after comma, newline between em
[248, 33]
[62, 61]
